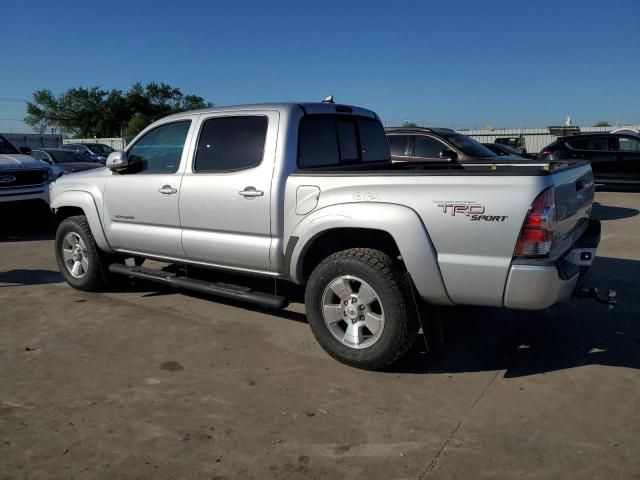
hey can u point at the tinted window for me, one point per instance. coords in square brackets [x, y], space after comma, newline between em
[6, 147]
[231, 143]
[469, 146]
[597, 143]
[160, 150]
[66, 156]
[326, 140]
[628, 144]
[100, 149]
[38, 155]
[397, 144]
[428, 147]
[347, 140]
[373, 141]
[318, 142]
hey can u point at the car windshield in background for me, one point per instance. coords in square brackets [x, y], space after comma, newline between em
[65, 156]
[6, 148]
[101, 149]
[469, 146]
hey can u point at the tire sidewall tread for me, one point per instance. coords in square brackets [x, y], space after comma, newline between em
[392, 285]
[94, 279]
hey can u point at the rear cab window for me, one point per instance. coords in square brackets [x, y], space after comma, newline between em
[331, 140]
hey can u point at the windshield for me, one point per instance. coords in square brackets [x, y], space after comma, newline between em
[100, 149]
[65, 156]
[6, 147]
[469, 146]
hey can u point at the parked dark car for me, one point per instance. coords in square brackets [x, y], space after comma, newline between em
[615, 158]
[434, 144]
[514, 142]
[505, 150]
[64, 161]
[97, 152]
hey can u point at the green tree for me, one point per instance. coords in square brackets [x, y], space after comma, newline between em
[602, 123]
[408, 124]
[89, 112]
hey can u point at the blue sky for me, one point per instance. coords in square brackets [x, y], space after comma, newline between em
[458, 63]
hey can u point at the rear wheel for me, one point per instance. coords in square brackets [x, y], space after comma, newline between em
[82, 264]
[359, 308]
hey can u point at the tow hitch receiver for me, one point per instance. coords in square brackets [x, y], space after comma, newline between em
[593, 292]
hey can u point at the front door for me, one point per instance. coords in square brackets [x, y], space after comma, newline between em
[225, 199]
[141, 203]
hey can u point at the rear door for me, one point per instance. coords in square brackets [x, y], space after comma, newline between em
[225, 200]
[598, 151]
[627, 151]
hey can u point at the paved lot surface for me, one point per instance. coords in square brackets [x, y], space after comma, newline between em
[148, 384]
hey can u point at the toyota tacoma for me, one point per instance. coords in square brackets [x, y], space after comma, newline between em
[306, 193]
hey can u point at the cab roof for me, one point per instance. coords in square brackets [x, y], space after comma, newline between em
[308, 108]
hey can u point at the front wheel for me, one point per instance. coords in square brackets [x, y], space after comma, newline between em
[359, 308]
[80, 261]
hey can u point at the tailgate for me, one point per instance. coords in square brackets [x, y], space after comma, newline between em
[575, 189]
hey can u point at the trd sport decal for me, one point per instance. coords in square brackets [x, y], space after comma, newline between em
[475, 212]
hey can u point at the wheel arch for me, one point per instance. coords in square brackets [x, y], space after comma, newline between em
[71, 203]
[395, 229]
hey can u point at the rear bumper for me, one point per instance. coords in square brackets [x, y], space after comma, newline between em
[533, 287]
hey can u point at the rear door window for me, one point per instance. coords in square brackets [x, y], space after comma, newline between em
[231, 143]
[428, 147]
[398, 144]
[594, 144]
[628, 144]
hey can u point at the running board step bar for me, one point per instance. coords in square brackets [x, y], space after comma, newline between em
[235, 292]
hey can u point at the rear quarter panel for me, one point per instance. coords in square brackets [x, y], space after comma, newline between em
[474, 255]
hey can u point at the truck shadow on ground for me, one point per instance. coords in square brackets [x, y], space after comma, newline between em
[26, 222]
[606, 212]
[572, 334]
[29, 277]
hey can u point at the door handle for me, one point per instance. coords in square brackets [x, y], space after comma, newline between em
[167, 190]
[251, 192]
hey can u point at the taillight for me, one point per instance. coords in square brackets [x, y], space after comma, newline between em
[544, 153]
[536, 236]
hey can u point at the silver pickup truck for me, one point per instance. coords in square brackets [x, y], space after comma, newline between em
[306, 193]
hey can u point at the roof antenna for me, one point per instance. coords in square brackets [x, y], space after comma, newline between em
[328, 99]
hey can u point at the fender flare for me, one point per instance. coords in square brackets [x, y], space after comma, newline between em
[402, 223]
[85, 201]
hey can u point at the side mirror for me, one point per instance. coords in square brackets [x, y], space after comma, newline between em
[88, 154]
[25, 150]
[448, 154]
[117, 160]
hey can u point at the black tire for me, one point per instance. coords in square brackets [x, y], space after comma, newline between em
[96, 276]
[393, 289]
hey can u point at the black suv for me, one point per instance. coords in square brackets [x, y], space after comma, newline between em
[434, 145]
[615, 158]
